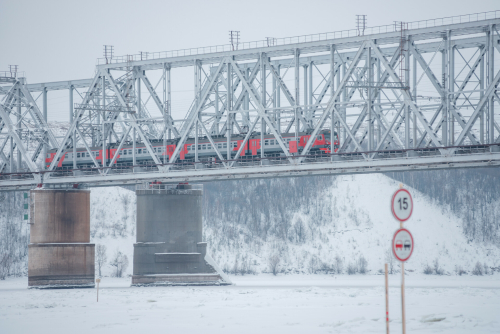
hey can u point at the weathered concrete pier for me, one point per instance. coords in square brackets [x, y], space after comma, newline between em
[169, 248]
[60, 254]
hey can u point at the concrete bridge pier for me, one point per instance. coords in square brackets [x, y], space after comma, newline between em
[169, 248]
[60, 254]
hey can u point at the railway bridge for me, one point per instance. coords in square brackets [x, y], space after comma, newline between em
[405, 96]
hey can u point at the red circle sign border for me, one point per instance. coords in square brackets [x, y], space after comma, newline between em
[412, 244]
[392, 205]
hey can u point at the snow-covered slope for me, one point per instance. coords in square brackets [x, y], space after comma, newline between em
[348, 221]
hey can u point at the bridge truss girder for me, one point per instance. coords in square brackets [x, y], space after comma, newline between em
[374, 91]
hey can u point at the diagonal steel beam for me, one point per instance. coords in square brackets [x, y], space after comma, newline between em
[133, 119]
[193, 115]
[254, 95]
[407, 98]
[488, 94]
[12, 133]
[331, 104]
[68, 139]
[158, 103]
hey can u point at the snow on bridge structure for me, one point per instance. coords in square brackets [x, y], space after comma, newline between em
[405, 96]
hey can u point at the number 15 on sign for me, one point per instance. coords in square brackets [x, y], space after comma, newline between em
[402, 205]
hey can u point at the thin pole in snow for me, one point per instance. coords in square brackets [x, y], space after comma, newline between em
[387, 298]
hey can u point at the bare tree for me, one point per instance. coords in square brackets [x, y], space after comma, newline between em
[300, 231]
[274, 262]
[338, 266]
[362, 265]
[120, 262]
[101, 257]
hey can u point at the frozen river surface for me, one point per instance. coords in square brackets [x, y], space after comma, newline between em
[258, 304]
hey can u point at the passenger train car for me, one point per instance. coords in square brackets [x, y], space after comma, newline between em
[322, 145]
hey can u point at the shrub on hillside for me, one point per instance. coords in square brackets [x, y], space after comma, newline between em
[274, 263]
[460, 271]
[352, 269]
[478, 269]
[428, 270]
[338, 265]
[362, 265]
[437, 268]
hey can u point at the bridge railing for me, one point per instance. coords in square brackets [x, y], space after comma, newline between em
[302, 39]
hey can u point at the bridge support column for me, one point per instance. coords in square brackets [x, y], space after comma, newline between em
[169, 248]
[59, 253]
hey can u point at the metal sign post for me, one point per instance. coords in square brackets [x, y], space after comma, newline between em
[402, 242]
[98, 280]
[402, 248]
[387, 298]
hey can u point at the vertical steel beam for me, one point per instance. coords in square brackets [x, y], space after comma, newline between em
[196, 134]
[134, 145]
[297, 93]
[45, 115]
[71, 111]
[451, 89]
[246, 99]
[217, 109]
[263, 101]
[306, 99]
[311, 88]
[344, 99]
[103, 88]
[169, 101]
[229, 127]
[369, 97]
[18, 126]
[491, 75]
[406, 74]
[71, 114]
[332, 92]
[273, 96]
[278, 102]
[340, 109]
[414, 97]
[379, 124]
[481, 95]
[444, 94]
[196, 99]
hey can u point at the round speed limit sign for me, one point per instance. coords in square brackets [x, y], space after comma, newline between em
[402, 205]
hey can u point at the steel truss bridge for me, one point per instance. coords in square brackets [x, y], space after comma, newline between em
[408, 96]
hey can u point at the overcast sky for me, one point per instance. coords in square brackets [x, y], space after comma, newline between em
[55, 40]
[60, 40]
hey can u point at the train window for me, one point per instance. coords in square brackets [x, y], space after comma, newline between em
[266, 142]
[203, 147]
[224, 145]
[124, 152]
[320, 137]
[78, 155]
[87, 155]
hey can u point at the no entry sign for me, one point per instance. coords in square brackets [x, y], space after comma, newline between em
[402, 205]
[402, 244]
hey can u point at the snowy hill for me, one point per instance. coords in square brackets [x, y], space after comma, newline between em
[347, 221]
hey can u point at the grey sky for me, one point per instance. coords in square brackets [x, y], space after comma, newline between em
[54, 40]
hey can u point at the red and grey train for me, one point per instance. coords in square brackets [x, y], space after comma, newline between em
[322, 145]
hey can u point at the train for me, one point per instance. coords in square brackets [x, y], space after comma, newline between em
[322, 145]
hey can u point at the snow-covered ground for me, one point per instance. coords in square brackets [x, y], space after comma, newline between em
[258, 304]
[349, 220]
